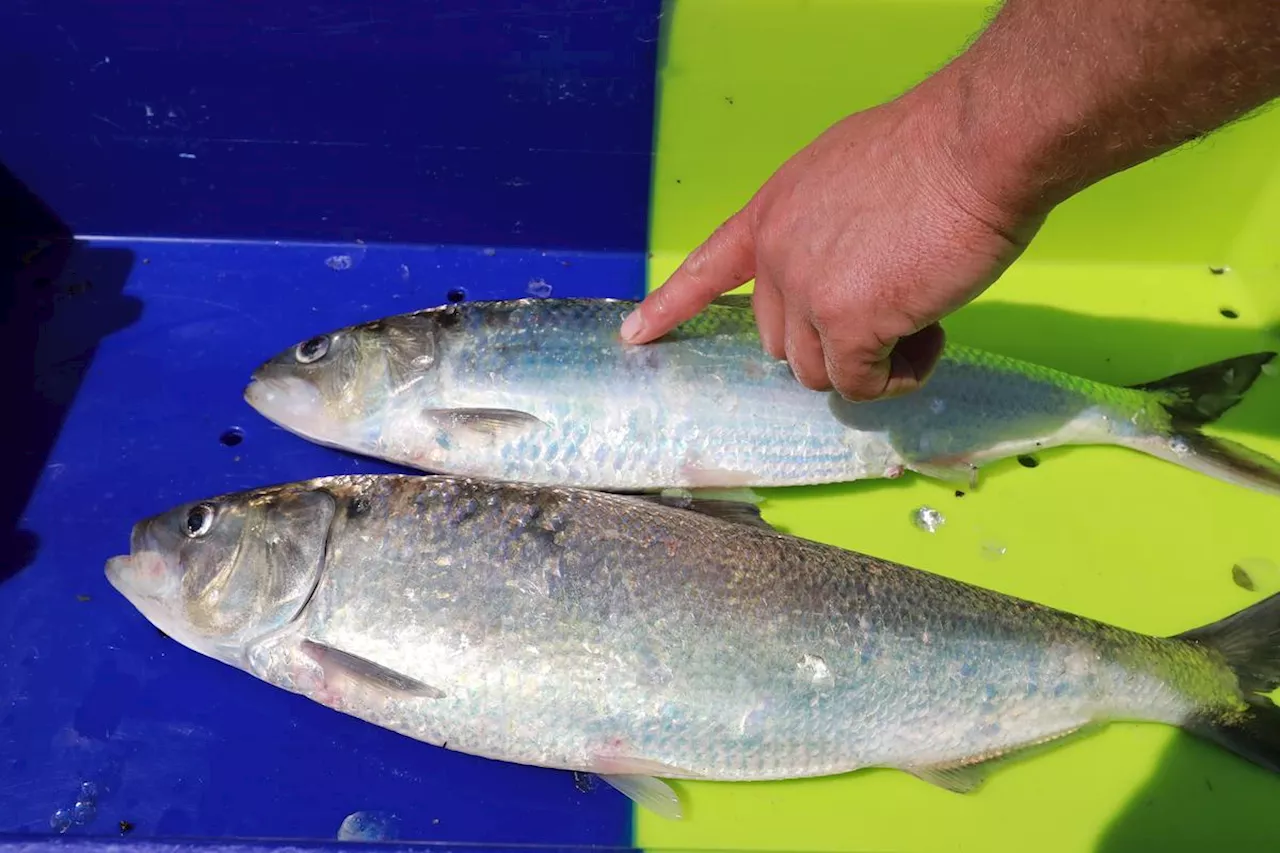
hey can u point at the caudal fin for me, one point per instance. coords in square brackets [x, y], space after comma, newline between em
[1250, 642]
[1198, 397]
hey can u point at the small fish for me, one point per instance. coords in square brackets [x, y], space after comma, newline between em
[544, 391]
[639, 639]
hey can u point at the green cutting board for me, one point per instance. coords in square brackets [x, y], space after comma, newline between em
[1117, 287]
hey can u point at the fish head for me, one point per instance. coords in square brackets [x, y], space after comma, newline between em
[218, 575]
[339, 388]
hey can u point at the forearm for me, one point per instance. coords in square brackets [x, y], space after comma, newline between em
[1058, 94]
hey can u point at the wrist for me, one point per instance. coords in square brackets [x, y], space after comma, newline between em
[990, 169]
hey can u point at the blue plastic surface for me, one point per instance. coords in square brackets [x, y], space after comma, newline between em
[491, 122]
[142, 351]
[325, 148]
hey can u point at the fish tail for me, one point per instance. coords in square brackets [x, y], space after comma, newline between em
[1200, 396]
[1249, 641]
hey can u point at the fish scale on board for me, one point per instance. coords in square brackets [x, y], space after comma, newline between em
[545, 391]
[629, 637]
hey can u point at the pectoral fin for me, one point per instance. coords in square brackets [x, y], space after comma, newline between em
[736, 511]
[336, 662]
[491, 423]
[637, 779]
[653, 794]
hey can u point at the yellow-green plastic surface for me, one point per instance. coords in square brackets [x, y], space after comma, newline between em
[1117, 287]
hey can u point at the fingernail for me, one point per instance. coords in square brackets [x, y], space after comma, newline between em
[632, 326]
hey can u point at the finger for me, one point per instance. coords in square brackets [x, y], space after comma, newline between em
[767, 304]
[725, 261]
[859, 367]
[913, 360]
[867, 368]
[804, 352]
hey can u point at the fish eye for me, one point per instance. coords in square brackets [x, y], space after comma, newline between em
[312, 350]
[198, 521]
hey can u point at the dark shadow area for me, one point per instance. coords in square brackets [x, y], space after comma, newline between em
[1198, 799]
[1125, 350]
[60, 298]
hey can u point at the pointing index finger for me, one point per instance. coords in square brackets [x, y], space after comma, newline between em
[726, 260]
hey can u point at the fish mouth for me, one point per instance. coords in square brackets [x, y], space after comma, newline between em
[143, 572]
[287, 400]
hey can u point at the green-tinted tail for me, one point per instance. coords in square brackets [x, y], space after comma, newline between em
[1250, 643]
[1198, 397]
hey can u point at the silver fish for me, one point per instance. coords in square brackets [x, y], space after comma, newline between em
[544, 391]
[624, 636]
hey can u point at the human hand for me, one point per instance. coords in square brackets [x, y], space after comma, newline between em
[859, 245]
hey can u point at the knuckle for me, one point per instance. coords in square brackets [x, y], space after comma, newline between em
[827, 314]
[696, 264]
[807, 375]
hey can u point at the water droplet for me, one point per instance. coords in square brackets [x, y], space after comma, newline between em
[1241, 577]
[489, 253]
[928, 519]
[538, 287]
[1179, 446]
[404, 272]
[993, 550]
[1256, 574]
[61, 820]
[88, 791]
[83, 811]
[937, 405]
[338, 262]
[367, 826]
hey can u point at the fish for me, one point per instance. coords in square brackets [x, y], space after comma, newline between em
[643, 638]
[544, 391]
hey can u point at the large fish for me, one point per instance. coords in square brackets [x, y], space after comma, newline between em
[628, 637]
[544, 391]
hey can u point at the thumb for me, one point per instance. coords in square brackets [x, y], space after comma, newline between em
[726, 260]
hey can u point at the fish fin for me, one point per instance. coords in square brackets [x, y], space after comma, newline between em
[653, 794]
[489, 422]
[1249, 640]
[734, 300]
[737, 512]
[958, 472]
[1252, 734]
[1221, 458]
[956, 778]
[365, 670]
[1200, 396]
[742, 495]
[637, 778]
[1203, 394]
[964, 777]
